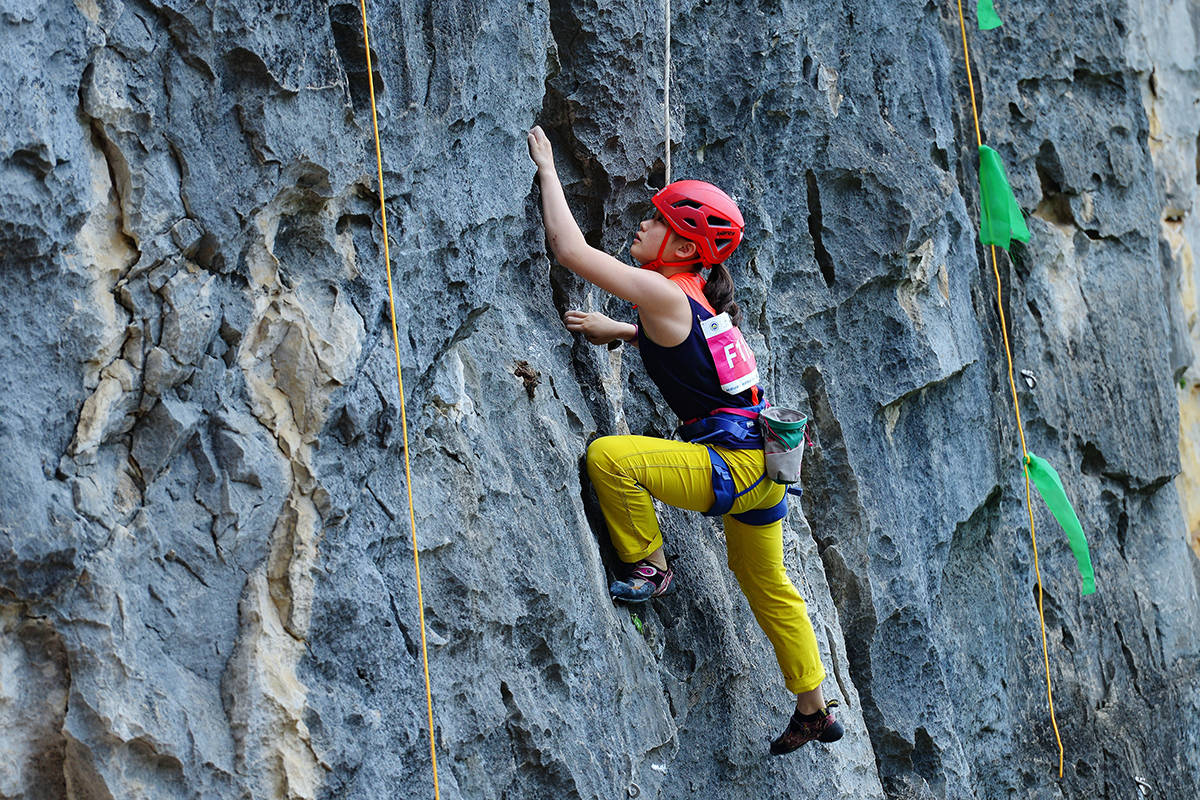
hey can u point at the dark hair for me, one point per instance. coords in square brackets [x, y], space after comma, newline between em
[719, 291]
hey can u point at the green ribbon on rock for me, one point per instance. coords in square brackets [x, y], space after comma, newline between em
[1000, 218]
[1050, 486]
[986, 14]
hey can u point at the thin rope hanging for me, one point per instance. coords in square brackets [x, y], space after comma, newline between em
[1017, 409]
[387, 260]
[667, 95]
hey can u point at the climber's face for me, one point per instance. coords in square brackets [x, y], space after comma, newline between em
[648, 242]
[649, 238]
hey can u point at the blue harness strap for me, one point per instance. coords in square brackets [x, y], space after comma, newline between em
[764, 516]
[725, 490]
[731, 431]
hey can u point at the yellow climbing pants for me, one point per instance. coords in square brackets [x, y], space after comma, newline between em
[627, 471]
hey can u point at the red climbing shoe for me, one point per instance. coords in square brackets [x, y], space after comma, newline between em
[643, 581]
[804, 728]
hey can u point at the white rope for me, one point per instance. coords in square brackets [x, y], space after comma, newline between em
[667, 95]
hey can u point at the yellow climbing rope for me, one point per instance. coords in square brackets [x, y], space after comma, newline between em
[412, 519]
[1017, 408]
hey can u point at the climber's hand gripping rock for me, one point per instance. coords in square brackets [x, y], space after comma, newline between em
[598, 328]
[539, 149]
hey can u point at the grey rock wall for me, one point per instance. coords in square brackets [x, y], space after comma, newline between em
[206, 580]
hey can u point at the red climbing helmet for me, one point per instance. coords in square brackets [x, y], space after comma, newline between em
[702, 213]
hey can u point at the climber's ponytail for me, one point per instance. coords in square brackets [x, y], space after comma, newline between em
[719, 291]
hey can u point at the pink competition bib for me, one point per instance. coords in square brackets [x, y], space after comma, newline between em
[732, 356]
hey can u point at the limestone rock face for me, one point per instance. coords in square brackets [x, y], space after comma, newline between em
[207, 587]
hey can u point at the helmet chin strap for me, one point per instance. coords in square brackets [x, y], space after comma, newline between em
[658, 259]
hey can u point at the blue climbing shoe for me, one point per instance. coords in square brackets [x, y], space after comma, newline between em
[642, 582]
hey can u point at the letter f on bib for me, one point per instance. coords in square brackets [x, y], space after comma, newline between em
[730, 354]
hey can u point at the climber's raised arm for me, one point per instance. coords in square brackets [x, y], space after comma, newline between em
[654, 294]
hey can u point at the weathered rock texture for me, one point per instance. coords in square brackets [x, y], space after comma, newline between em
[206, 585]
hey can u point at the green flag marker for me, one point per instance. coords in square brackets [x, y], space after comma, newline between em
[1000, 220]
[1049, 485]
[987, 16]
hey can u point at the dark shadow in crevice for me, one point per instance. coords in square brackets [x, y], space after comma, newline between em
[824, 260]
[1055, 205]
[345, 21]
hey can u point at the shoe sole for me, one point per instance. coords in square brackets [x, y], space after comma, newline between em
[637, 601]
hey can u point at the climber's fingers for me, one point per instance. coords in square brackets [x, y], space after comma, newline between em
[539, 147]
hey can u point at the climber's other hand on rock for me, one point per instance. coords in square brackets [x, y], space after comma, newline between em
[596, 328]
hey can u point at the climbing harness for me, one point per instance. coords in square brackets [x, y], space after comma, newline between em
[733, 428]
[387, 260]
[736, 429]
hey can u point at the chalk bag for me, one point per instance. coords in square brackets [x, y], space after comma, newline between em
[783, 442]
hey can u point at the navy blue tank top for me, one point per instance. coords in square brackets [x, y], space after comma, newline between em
[685, 373]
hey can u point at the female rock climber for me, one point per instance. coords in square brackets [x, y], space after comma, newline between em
[693, 351]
